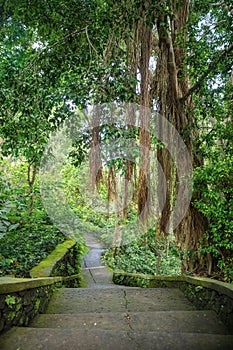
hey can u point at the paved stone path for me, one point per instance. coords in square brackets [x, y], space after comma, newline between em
[103, 316]
[94, 272]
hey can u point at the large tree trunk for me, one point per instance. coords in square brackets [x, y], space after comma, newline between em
[172, 85]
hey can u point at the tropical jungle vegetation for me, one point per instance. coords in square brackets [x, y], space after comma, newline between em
[174, 57]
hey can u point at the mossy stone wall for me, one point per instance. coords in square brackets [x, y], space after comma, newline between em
[19, 308]
[204, 293]
[21, 299]
[63, 261]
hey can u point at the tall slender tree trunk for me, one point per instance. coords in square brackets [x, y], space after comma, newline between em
[130, 165]
[32, 172]
[95, 162]
[145, 118]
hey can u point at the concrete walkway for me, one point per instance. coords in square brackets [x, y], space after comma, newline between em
[94, 272]
[103, 316]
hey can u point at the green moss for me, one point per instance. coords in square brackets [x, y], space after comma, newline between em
[18, 306]
[37, 305]
[11, 316]
[21, 321]
[198, 288]
[10, 300]
[13, 302]
[45, 267]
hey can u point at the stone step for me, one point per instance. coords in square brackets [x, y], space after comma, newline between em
[97, 276]
[76, 300]
[25, 338]
[159, 321]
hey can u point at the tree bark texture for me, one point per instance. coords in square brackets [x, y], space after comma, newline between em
[172, 84]
[144, 138]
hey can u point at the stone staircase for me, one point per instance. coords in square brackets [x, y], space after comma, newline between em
[104, 316]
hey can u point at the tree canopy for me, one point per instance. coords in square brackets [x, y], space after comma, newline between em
[175, 57]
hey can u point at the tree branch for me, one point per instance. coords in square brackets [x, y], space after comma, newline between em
[47, 48]
[212, 67]
[89, 41]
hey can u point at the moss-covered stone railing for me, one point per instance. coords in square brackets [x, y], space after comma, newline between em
[204, 293]
[21, 299]
[63, 261]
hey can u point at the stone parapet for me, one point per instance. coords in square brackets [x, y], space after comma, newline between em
[204, 293]
[21, 299]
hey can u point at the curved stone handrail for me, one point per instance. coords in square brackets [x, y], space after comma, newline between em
[204, 293]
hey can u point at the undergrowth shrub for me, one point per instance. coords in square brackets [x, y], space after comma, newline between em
[145, 255]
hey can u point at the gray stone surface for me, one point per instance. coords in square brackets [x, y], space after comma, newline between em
[94, 272]
[97, 276]
[95, 250]
[158, 321]
[104, 316]
[73, 339]
[73, 300]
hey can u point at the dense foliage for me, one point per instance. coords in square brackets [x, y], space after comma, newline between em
[145, 255]
[175, 56]
[215, 181]
[26, 237]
